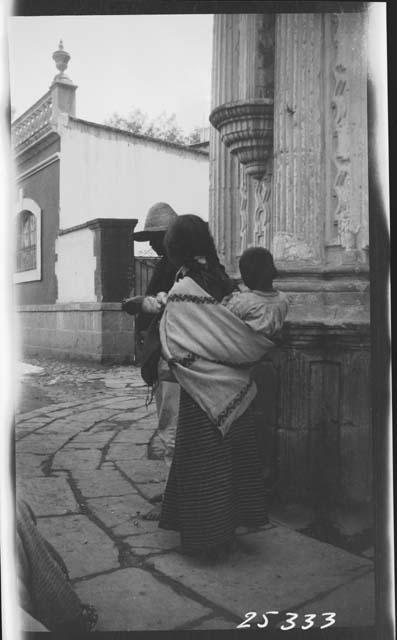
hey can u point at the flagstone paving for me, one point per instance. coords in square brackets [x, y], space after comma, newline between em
[82, 464]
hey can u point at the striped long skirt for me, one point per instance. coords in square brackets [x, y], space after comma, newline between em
[215, 484]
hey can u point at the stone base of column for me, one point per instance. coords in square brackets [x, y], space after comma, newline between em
[314, 415]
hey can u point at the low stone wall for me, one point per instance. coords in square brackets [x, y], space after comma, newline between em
[96, 331]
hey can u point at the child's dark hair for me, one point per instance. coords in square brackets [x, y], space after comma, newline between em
[257, 268]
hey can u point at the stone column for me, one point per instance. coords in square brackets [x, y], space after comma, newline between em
[320, 140]
[242, 113]
[289, 172]
[224, 214]
[298, 171]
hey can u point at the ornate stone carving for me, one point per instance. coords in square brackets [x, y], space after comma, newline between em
[287, 247]
[342, 182]
[243, 210]
[246, 128]
[348, 104]
[348, 232]
[262, 214]
[242, 131]
[42, 118]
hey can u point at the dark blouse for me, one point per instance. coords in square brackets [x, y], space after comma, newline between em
[163, 277]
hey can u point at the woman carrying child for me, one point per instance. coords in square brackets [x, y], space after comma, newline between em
[215, 482]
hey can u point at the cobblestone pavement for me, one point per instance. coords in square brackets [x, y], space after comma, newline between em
[81, 461]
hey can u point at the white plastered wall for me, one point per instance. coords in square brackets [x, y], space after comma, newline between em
[75, 266]
[105, 174]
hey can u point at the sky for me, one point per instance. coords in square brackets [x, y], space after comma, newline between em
[155, 63]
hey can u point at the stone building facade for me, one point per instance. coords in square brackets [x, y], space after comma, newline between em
[289, 171]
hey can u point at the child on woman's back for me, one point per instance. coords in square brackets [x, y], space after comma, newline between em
[264, 310]
[259, 305]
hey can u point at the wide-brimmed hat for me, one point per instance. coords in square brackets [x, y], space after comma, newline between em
[158, 219]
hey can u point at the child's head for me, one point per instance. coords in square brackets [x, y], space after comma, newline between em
[257, 268]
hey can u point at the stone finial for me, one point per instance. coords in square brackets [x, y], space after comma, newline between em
[61, 58]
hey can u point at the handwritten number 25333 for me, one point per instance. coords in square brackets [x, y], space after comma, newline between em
[329, 619]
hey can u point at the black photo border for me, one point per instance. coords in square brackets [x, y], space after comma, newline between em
[380, 306]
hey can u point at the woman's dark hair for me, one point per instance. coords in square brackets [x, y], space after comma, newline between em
[257, 268]
[189, 237]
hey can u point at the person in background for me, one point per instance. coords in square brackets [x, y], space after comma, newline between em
[145, 308]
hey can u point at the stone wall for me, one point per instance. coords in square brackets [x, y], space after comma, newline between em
[95, 272]
[96, 261]
[101, 332]
[118, 175]
[75, 266]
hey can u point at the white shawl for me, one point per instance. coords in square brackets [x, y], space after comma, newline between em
[211, 352]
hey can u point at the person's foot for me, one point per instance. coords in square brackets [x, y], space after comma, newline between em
[153, 514]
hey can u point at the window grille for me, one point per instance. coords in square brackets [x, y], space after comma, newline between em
[26, 255]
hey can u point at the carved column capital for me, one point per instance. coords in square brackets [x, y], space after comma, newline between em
[246, 129]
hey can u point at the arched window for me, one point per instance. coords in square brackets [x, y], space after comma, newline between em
[26, 257]
[28, 241]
